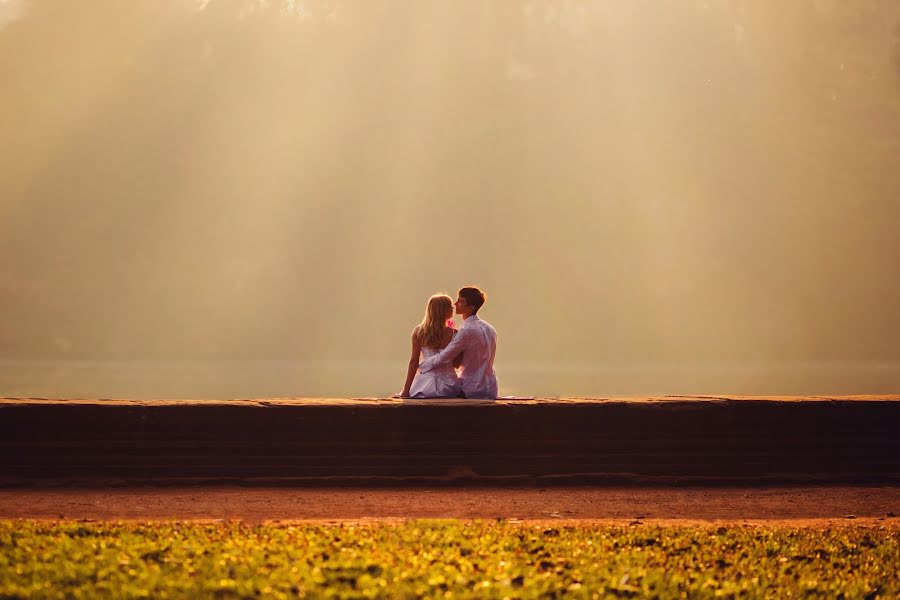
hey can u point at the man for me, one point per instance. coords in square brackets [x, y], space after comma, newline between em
[477, 341]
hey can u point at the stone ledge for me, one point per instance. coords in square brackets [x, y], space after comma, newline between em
[333, 441]
[441, 402]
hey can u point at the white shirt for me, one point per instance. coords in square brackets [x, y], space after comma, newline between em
[478, 340]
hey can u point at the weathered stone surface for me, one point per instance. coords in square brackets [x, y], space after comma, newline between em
[387, 441]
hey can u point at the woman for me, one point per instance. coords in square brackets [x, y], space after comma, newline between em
[430, 337]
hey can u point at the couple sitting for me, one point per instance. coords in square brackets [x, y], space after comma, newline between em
[444, 349]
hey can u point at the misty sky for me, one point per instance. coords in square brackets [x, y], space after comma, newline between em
[675, 184]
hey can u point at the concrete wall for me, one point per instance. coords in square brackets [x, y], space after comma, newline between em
[386, 442]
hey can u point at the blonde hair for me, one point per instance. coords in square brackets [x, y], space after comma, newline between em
[431, 330]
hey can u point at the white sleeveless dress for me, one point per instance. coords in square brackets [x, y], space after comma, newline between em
[440, 382]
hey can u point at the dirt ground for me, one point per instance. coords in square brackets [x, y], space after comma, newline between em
[803, 505]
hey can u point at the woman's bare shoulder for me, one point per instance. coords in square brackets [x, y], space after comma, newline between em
[448, 335]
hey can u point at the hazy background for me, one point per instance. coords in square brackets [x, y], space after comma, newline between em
[232, 198]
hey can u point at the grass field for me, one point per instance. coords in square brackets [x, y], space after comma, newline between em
[452, 559]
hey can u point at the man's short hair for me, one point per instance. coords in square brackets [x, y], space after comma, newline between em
[473, 297]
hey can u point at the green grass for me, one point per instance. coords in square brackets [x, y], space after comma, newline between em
[484, 559]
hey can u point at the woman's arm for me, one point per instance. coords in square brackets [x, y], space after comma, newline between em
[413, 365]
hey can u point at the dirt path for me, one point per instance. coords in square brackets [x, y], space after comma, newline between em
[801, 504]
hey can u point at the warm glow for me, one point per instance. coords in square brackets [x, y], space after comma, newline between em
[247, 198]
